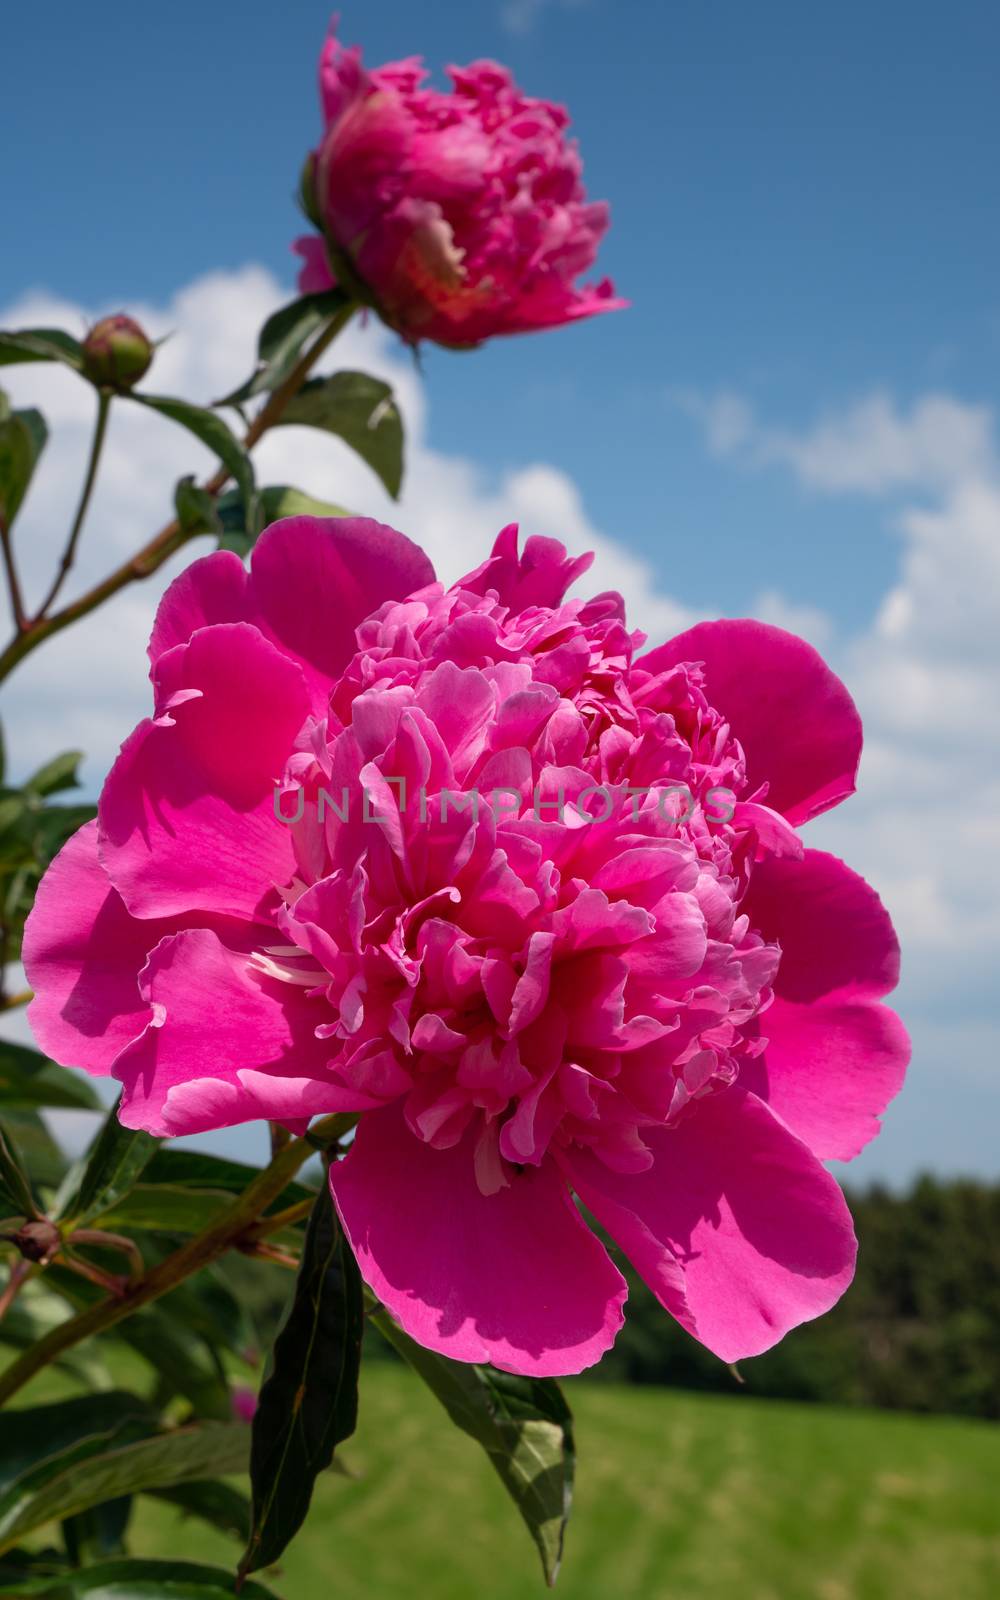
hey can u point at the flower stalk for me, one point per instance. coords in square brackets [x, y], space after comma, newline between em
[171, 537]
[224, 1234]
[94, 460]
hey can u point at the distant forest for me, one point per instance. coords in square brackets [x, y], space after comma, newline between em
[919, 1329]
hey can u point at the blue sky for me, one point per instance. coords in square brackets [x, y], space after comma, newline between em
[798, 405]
[799, 212]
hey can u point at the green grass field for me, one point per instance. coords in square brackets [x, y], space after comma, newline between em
[678, 1495]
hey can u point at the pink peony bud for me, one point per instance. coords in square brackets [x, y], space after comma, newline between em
[117, 352]
[457, 215]
[244, 1402]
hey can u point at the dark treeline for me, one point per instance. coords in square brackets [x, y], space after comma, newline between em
[919, 1329]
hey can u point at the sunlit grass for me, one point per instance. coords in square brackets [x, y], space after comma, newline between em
[694, 1497]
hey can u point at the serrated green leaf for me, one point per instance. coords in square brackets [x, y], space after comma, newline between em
[360, 410]
[282, 340]
[106, 1173]
[137, 1580]
[30, 1079]
[197, 510]
[210, 1450]
[211, 430]
[22, 439]
[308, 1404]
[40, 344]
[523, 1424]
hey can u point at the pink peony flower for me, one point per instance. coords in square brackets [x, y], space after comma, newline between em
[459, 215]
[660, 1002]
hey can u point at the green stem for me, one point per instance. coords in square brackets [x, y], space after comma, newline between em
[69, 554]
[13, 581]
[198, 1252]
[170, 537]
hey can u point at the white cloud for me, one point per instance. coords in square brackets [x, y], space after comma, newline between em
[870, 447]
[925, 825]
[86, 687]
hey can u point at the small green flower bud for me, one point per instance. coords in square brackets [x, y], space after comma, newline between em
[116, 353]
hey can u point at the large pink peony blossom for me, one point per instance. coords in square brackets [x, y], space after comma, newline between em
[659, 1001]
[460, 215]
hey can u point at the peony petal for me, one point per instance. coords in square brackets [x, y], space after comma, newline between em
[736, 1227]
[798, 726]
[834, 1057]
[829, 1070]
[187, 813]
[226, 1044]
[312, 580]
[514, 1277]
[835, 934]
[211, 590]
[82, 954]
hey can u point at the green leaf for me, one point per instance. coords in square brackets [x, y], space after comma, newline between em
[40, 1154]
[276, 501]
[183, 1359]
[282, 340]
[166, 1208]
[309, 1402]
[59, 1490]
[35, 1312]
[361, 411]
[15, 1187]
[98, 1532]
[199, 1170]
[40, 344]
[211, 430]
[22, 440]
[197, 510]
[218, 1504]
[523, 1424]
[30, 1079]
[107, 1172]
[58, 774]
[137, 1580]
[40, 1443]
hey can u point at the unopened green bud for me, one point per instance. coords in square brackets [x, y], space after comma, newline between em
[116, 353]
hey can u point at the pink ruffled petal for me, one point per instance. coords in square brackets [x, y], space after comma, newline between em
[537, 576]
[213, 589]
[736, 1227]
[187, 814]
[226, 1044]
[82, 954]
[835, 934]
[835, 1057]
[829, 1071]
[514, 1277]
[311, 581]
[798, 726]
